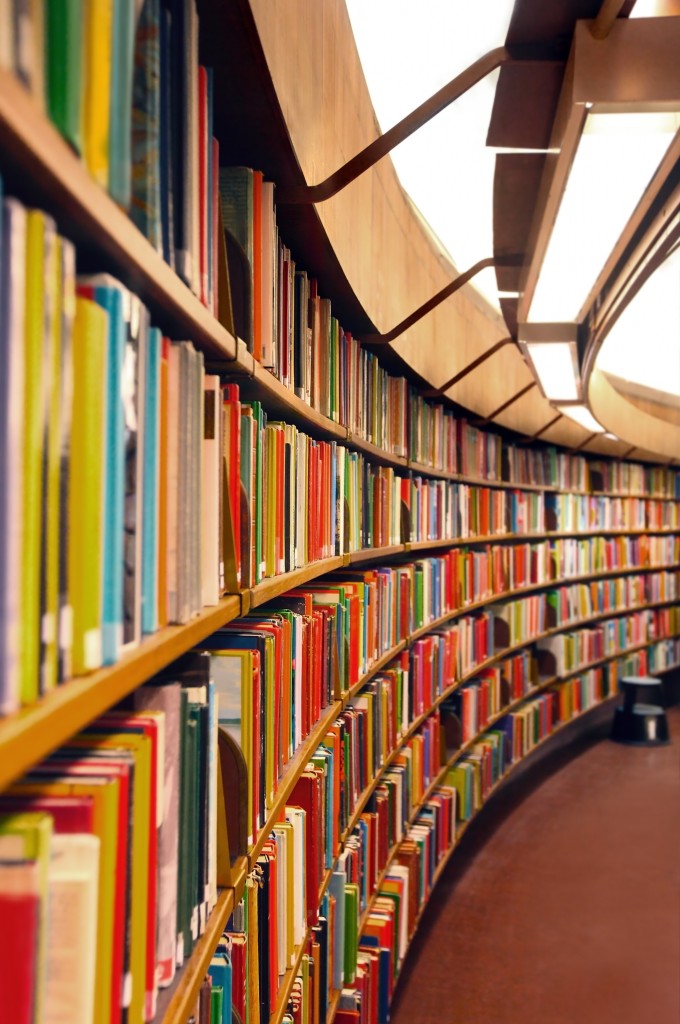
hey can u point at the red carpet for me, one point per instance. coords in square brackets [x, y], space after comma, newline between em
[562, 904]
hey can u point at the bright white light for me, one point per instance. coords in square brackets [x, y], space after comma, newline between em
[616, 158]
[554, 366]
[583, 416]
[409, 51]
[643, 346]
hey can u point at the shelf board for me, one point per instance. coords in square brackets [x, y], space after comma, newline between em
[261, 385]
[376, 554]
[175, 1004]
[274, 586]
[37, 159]
[376, 667]
[35, 731]
[375, 452]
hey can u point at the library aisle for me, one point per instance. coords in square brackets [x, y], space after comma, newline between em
[562, 905]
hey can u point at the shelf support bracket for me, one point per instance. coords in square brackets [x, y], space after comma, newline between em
[380, 147]
[505, 405]
[436, 300]
[436, 392]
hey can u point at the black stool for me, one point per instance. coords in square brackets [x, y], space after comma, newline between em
[641, 722]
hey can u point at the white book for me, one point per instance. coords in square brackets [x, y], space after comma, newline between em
[13, 300]
[72, 929]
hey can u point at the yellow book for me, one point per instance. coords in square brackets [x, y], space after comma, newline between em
[105, 796]
[86, 482]
[28, 836]
[97, 98]
[40, 238]
[141, 749]
[51, 468]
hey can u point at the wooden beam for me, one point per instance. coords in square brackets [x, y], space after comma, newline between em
[505, 405]
[434, 392]
[606, 17]
[386, 142]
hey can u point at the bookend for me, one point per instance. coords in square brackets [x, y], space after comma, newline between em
[232, 786]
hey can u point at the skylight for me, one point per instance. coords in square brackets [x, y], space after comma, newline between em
[409, 51]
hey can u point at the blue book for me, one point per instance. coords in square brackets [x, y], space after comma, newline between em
[336, 888]
[219, 970]
[114, 298]
[145, 208]
[150, 484]
[120, 118]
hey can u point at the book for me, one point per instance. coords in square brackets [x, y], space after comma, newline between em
[152, 493]
[20, 903]
[125, 17]
[64, 24]
[98, 43]
[73, 880]
[149, 85]
[116, 301]
[86, 475]
[40, 244]
[12, 388]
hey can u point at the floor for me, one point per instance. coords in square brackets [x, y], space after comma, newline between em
[562, 903]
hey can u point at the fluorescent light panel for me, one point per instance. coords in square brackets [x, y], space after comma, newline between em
[616, 158]
[583, 416]
[554, 366]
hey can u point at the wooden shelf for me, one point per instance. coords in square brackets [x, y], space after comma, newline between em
[375, 453]
[422, 469]
[35, 731]
[376, 554]
[43, 169]
[274, 586]
[175, 1004]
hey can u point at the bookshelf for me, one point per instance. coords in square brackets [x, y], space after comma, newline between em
[40, 168]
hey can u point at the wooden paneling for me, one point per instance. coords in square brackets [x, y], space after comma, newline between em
[630, 423]
[380, 242]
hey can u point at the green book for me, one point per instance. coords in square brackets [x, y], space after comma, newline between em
[65, 51]
[351, 931]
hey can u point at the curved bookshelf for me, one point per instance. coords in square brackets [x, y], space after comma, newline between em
[175, 1004]
[462, 827]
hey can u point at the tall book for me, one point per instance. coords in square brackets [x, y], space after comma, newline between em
[86, 476]
[65, 67]
[145, 209]
[12, 300]
[120, 117]
[112, 297]
[40, 244]
[97, 99]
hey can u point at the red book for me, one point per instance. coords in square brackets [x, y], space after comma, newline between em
[69, 814]
[20, 914]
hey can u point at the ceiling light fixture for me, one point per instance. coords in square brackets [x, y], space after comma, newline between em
[553, 354]
[582, 415]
